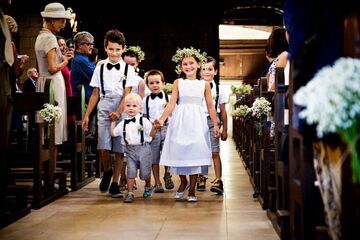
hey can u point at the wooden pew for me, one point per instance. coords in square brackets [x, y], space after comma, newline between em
[73, 151]
[280, 217]
[267, 151]
[36, 165]
[305, 204]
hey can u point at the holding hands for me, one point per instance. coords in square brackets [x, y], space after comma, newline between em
[158, 123]
[216, 131]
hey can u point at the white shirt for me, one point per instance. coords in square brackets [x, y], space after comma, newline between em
[156, 106]
[223, 97]
[113, 78]
[133, 131]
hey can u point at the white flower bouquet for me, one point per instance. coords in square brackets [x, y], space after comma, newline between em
[50, 112]
[260, 109]
[167, 88]
[242, 89]
[332, 103]
[241, 111]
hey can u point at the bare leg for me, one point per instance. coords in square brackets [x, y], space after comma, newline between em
[183, 183]
[148, 182]
[105, 159]
[119, 157]
[217, 164]
[156, 173]
[193, 179]
[130, 184]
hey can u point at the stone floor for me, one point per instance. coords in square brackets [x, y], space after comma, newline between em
[89, 214]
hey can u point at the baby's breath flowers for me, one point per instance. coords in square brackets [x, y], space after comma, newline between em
[241, 111]
[332, 102]
[188, 52]
[242, 89]
[167, 88]
[260, 109]
[50, 112]
[136, 50]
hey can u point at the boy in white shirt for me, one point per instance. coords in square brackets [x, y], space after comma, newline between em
[136, 133]
[112, 81]
[208, 71]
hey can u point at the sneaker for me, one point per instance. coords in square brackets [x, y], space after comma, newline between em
[129, 198]
[114, 190]
[169, 184]
[105, 181]
[201, 184]
[192, 199]
[158, 188]
[148, 191]
[217, 186]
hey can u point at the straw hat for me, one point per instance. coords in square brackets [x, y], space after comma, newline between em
[55, 10]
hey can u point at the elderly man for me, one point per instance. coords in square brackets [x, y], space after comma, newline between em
[82, 68]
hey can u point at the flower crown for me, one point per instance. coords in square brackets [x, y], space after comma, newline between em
[137, 51]
[187, 52]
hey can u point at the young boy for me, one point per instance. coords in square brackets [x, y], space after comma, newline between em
[136, 133]
[133, 55]
[208, 71]
[154, 105]
[111, 81]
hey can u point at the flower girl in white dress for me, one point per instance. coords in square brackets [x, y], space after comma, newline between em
[187, 144]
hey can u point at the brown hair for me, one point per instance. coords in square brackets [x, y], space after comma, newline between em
[114, 36]
[153, 72]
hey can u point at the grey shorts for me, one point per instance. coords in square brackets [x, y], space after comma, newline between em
[157, 144]
[215, 142]
[105, 141]
[138, 157]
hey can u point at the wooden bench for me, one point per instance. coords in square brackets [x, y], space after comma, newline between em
[73, 151]
[35, 165]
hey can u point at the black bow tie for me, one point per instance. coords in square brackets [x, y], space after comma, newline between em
[110, 66]
[154, 95]
[211, 84]
[130, 120]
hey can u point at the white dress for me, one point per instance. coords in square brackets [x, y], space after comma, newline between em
[46, 41]
[187, 143]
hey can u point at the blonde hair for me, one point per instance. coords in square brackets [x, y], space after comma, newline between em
[134, 97]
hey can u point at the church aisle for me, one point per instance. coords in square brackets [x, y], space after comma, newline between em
[89, 214]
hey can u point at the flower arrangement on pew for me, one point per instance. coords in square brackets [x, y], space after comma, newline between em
[332, 103]
[50, 113]
[167, 88]
[260, 110]
[242, 89]
[241, 111]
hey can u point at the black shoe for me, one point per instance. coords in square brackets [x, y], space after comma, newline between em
[114, 190]
[105, 181]
[201, 184]
[217, 186]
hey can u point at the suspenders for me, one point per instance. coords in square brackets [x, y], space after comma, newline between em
[102, 78]
[141, 131]
[147, 104]
[217, 96]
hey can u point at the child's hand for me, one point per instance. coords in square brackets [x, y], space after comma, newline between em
[216, 131]
[158, 123]
[223, 135]
[85, 124]
[114, 116]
